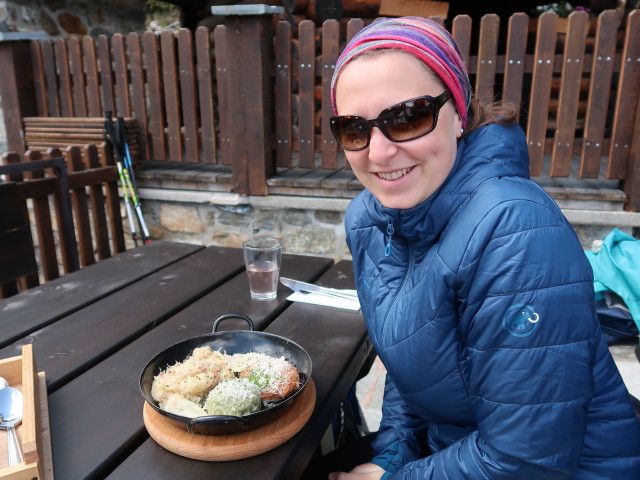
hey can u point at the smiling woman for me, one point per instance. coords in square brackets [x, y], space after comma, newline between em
[477, 294]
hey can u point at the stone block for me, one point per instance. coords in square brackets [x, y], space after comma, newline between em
[179, 218]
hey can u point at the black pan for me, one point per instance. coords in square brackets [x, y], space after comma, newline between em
[239, 341]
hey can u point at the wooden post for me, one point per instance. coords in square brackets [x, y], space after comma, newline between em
[17, 89]
[249, 39]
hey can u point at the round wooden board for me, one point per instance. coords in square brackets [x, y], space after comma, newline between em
[232, 446]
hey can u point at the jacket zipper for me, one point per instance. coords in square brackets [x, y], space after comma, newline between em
[390, 232]
[404, 281]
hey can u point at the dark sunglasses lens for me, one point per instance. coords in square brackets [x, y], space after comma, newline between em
[351, 132]
[409, 119]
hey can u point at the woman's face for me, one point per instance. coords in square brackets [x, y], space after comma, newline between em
[400, 175]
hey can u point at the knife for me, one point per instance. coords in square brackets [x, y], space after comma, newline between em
[303, 287]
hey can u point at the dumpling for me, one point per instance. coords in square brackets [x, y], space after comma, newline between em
[179, 405]
[238, 397]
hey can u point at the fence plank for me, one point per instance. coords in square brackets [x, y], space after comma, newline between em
[306, 109]
[39, 80]
[220, 49]
[572, 63]
[157, 145]
[64, 76]
[94, 108]
[68, 246]
[206, 95]
[106, 74]
[283, 89]
[78, 77]
[139, 103]
[599, 93]
[330, 45]
[123, 96]
[628, 90]
[514, 58]
[73, 157]
[461, 31]
[188, 95]
[354, 26]
[97, 200]
[107, 159]
[44, 226]
[171, 94]
[51, 78]
[541, 90]
[487, 56]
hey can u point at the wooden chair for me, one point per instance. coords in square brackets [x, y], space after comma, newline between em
[18, 266]
[93, 182]
[84, 188]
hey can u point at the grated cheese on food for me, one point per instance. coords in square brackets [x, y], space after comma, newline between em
[205, 371]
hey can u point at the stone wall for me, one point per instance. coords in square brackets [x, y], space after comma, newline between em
[313, 226]
[63, 18]
[305, 225]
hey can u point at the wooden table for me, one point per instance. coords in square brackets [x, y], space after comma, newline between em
[94, 330]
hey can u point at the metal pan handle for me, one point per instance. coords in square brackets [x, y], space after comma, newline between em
[216, 420]
[233, 315]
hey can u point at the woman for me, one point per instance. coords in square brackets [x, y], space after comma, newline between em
[476, 292]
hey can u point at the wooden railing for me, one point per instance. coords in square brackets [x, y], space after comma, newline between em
[578, 92]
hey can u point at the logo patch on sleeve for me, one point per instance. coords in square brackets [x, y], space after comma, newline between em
[521, 320]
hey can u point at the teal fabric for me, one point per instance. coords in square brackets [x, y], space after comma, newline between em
[616, 267]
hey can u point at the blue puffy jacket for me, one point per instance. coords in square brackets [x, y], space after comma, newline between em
[480, 303]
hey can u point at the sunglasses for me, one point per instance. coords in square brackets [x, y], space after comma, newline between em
[401, 122]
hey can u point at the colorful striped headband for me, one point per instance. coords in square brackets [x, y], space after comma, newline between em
[424, 39]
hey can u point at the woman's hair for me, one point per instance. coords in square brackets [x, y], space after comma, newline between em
[482, 113]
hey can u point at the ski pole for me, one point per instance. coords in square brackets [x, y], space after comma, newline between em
[128, 175]
[109, 137]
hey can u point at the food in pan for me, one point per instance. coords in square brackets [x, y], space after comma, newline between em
[215, 383]
[193, 378]
[237, 396]
[276, 377]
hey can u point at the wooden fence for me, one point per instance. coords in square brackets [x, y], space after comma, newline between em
[578, 92]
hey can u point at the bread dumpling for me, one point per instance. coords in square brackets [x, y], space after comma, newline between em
[179, 405]
[237, 397]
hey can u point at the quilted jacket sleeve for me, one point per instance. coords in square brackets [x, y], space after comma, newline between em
[528, 331]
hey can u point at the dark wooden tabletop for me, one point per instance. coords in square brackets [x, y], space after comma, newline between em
[94, 330]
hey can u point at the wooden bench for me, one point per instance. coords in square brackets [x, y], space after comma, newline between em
[42, 133]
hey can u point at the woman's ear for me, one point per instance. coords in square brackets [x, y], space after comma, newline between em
[458, 125]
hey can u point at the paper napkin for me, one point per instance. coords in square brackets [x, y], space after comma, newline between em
[325, 300]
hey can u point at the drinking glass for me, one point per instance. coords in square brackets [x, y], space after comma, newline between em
[262, 260]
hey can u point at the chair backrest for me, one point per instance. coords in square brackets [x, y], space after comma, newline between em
[48, 180]
[93, 181]
[17, 253]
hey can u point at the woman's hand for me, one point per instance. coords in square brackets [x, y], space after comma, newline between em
[366, 471]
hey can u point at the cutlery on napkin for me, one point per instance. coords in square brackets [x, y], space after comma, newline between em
[317, 295]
